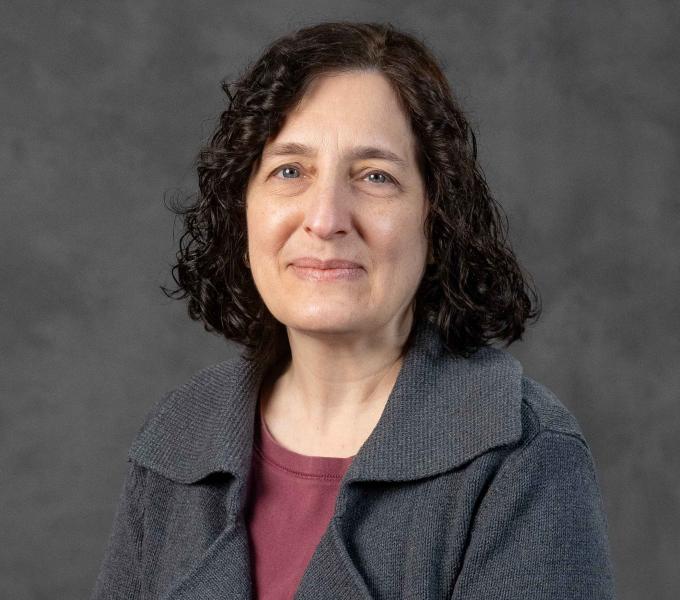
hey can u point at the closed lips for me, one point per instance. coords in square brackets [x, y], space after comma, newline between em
[334, 263]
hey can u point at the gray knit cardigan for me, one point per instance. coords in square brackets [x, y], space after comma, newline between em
[476, 484]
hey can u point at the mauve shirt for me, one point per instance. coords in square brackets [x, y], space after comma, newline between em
[291, 498]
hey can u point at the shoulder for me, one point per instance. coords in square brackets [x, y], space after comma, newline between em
[536, 409]
[552, 450]
[551, 466]
[549, 455]
[544, 412]
[497, 383]
[201, 390]
[197, 426]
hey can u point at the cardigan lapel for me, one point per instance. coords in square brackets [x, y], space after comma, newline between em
[442, 412]
[331, 572]
[223, 571]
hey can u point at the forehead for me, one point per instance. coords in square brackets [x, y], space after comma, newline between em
[357, 112]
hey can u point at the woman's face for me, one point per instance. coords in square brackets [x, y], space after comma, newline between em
[336, 199]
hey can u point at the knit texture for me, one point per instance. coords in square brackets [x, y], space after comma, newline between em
[476, 483]
[284, 482]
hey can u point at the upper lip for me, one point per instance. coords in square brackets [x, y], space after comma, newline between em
[331, 263]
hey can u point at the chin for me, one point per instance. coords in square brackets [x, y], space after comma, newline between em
[324, 323]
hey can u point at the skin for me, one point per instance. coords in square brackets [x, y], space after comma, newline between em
[346, 336]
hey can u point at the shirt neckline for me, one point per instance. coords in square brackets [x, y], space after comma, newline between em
[303, 465]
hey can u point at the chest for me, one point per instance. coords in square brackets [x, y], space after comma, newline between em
[386, 539]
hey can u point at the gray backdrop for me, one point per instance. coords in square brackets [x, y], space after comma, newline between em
[103, 108]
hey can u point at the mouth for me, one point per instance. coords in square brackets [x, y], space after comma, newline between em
[311, 262]
[328, 274]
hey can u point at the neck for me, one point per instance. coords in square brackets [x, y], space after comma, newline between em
[334, 384]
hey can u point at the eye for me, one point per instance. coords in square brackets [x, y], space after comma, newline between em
[385, 177]
[381, 174]
[286, 168]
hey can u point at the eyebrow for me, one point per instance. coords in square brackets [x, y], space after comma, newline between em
[356, 153]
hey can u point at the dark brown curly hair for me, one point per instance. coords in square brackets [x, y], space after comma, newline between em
[475, 291]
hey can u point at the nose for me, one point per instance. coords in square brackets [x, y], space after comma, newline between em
[328, 210]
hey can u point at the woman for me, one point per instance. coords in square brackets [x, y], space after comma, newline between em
[369, 442]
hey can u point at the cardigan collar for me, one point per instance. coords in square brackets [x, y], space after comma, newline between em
[442, 411]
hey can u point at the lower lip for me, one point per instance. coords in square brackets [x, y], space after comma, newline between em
[312, 274]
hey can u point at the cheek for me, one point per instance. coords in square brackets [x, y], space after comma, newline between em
[268, 232]
[398, 240]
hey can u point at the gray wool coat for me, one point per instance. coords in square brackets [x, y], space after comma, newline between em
[476, 484]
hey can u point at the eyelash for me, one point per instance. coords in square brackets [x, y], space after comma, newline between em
[389, 178]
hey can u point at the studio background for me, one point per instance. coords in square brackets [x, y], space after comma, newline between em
[103, 108]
